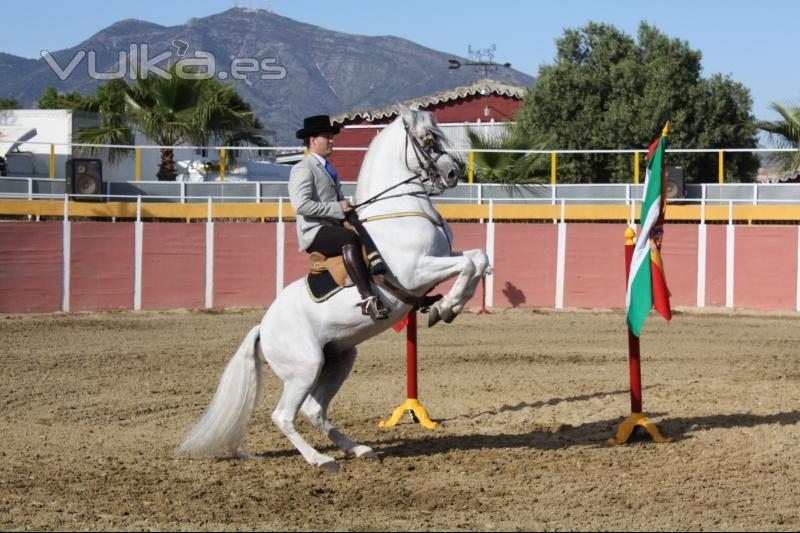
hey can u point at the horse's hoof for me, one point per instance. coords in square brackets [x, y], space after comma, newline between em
[247, 456]
[331, 467]
[371, 455]
[365, 452]
[433, 316]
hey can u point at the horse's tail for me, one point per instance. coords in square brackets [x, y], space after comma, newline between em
[221, 429]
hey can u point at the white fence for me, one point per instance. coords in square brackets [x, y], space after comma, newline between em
[610, 194]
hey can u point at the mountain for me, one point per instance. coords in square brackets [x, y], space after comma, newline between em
[325, 71]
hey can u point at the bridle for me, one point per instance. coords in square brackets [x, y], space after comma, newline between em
[427, 155]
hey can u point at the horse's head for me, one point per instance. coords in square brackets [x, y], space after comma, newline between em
[425, 154]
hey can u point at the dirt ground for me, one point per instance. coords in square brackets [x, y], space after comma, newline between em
[93, 405]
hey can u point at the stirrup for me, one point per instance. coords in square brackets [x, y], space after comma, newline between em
[372, 306]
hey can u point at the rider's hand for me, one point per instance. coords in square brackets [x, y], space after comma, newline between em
[346, 207]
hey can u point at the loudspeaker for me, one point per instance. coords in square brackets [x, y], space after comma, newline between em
[675, 188]
[85, 179]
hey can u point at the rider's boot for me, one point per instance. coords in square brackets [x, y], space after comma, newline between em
[354, 263]
[376, 265]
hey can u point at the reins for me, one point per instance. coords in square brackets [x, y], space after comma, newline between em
[378, 196]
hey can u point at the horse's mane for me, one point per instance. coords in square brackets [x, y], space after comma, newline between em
[420, 123]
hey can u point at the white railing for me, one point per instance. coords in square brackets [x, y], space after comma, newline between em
[536, 194]
[457, 149]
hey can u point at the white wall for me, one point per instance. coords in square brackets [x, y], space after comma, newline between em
[52, 126]
[57, 126]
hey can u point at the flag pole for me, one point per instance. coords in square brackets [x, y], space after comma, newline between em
[634, 363]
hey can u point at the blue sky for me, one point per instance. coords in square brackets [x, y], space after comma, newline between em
[753, 42]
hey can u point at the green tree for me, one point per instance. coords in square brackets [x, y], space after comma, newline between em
[786, 134]
[608, 91]
[52, 99]
[9, 103]
[171, 111]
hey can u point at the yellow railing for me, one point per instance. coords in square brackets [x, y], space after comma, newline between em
[500, 212]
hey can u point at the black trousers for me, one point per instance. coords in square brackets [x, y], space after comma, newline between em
[330, 239]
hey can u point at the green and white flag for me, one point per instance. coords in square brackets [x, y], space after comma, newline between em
[647, 286]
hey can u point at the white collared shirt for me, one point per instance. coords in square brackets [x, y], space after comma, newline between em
[319, 157]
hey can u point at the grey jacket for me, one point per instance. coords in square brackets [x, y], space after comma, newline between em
[314, 198]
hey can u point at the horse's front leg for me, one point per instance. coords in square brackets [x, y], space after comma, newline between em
[469, 266]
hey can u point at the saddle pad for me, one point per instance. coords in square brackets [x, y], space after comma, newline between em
[322, 286]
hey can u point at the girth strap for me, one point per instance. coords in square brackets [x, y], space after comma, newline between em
[401, 215]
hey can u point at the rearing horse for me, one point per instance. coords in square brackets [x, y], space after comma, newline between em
[311, 346]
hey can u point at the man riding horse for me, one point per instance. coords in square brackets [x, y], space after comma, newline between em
[312, 345]
[316, 196]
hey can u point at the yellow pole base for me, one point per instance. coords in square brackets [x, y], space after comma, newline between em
[626, 429]
[415, 409]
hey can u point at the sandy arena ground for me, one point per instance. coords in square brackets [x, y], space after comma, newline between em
[95, 404]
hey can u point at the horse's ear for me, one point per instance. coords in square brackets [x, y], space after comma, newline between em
[407, 115]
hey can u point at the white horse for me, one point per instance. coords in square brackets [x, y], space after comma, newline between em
[312, 346]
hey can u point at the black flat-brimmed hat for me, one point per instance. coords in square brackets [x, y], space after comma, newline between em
[315, 125]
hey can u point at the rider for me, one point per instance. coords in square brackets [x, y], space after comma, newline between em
[316, 196]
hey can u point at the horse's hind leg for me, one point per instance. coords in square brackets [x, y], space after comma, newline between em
[315, 407]
[299, 378]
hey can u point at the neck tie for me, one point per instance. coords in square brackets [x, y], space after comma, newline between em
[332, 172]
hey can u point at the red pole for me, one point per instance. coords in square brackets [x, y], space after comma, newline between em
[633, 340]
[411, 405]
[411, 355]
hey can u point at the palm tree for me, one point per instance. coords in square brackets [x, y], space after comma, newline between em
[786, 134]
[170, 111]
[509, 167]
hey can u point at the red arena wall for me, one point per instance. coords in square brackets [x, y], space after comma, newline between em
[244, 264]
[173, 266]
[595, 266]
[296, 263]
[679, 253]
[715, 265]
[247, 263]
[525, 265]
[765, 267]
[30, 267]
[102, 266]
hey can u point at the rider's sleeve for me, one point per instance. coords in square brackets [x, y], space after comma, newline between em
[301, 194]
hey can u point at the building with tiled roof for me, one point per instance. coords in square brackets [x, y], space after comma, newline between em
[484, 103]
